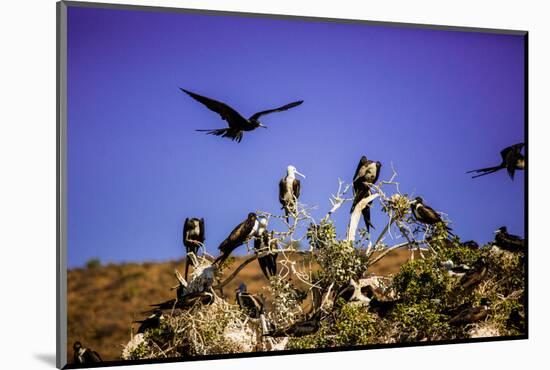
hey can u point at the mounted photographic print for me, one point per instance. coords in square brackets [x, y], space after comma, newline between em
[234, 184]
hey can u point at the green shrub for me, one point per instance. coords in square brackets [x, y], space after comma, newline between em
[93, 263]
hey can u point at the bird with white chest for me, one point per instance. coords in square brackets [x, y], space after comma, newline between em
[289, 190]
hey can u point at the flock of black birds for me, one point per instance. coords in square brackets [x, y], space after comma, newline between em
[255, 228]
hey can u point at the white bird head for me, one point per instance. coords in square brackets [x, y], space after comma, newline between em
[262, 221]
[291, 171]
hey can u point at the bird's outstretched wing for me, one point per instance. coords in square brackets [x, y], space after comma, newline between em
[225, 111]
[255, 116]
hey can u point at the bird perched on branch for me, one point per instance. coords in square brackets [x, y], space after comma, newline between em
[426, 214]
[83, 355]
[300, 328]
[249, 303]
[289, 191]
[238, 237]
[237, 123]
[476, 274]
[262, 243]
[184, 301]
[366, 174]
[472, 244]
[193, 238]
[152, 322]
[512, 160]
[472, 314]
[509, 242]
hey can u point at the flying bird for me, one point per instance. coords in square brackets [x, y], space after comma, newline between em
[152, 322]
[509, 242]
[83, 355]
[512, 160]
[262, 243]
[289, 191]
[237, 237]
[249, 303]
[193, 238]
[366, 174]
[426, 214]
[236, 122]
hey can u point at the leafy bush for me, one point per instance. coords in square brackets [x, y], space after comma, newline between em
[93, 263]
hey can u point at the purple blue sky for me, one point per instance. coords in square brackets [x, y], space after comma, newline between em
[435, 103]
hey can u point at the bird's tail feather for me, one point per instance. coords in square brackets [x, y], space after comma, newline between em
[366, 217]
[235, 135]
[485, 171]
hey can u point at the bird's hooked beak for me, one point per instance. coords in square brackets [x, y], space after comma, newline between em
[300, 174]
[260, 125]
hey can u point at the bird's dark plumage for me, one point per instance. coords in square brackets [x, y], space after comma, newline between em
[83, 355]
[426, 214]
[236, 122]
[300, 328]
[512, 160]
[509, 242]
[152, 322]
[193, 238]
[289, 191]
[470, 315]
[237, 237]
[268, 263]
[472, 244]
[185, 301]
[366, 174]
[475, 275]
[252, 305]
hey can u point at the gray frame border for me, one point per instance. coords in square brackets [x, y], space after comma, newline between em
[61, 166]
[61, 186]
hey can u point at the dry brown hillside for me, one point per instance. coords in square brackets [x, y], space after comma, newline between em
[104, 300]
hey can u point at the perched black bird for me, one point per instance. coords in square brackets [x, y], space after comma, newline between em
[237, 123]
[83, 355]
[475, 275]
[193, 238]
[262, 243]
[516, 320]
[289, 190]
[509, 242]
[426, 214]
[453, 270]
[249, 303]
[300, 328]
[366, 174]
[237, 237]
[152, 322]
[472, 244]
[471, 315]
[512, 160]
[185, 301]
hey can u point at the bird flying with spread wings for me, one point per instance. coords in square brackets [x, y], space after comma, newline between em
[236, 122]
[512, 160]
